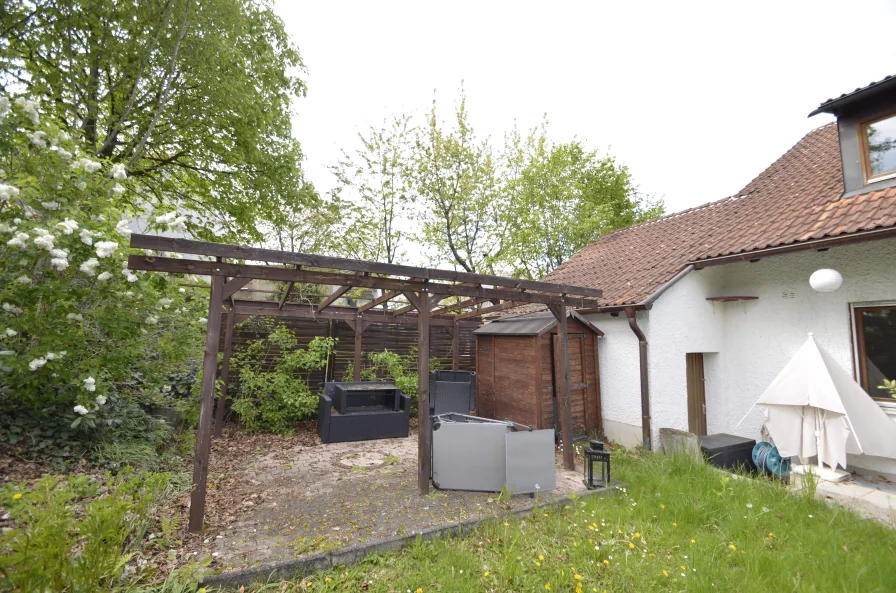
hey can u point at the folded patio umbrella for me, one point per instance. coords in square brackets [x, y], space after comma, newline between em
[813, 407]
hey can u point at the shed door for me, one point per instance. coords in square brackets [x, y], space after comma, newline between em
[578, 387]
[696, 394]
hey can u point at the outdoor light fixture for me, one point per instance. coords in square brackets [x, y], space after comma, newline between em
[596, 454]
[825, 280]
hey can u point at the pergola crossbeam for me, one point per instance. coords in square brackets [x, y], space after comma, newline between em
[333, 296]
[387, 296]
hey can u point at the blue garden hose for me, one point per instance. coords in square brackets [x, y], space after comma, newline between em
[768, 461]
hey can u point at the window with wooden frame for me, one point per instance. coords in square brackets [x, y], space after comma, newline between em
[875, 336]
[878, 141]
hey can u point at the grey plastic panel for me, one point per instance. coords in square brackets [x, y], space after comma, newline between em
[469, 456]
[530, 461]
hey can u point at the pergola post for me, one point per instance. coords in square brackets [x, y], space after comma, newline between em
[424, 435]
[359, 325]
[207, 402]
[225, 369]
[455, 345]
[569, 462]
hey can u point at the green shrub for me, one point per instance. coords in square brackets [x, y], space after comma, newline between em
[77, 328]
[400, 369]
[273, 392]
[76, 535]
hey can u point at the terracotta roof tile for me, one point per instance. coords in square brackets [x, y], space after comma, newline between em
[797, 198]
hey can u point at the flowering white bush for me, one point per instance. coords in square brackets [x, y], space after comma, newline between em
[69, 334]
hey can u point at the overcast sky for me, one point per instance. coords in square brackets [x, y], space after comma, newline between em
[696, 98]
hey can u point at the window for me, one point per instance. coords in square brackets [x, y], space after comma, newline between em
[879, 147]
[876, 347]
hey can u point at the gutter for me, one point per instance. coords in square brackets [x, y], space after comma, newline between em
[645, 388]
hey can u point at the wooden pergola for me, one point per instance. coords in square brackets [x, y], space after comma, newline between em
[423, 289]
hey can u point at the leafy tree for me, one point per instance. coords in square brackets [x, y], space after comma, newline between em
[78, 328]
[459, 187]
[192, 98]
[375, 180]
[563, 197]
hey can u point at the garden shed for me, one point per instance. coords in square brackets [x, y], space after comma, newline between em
[518, 373]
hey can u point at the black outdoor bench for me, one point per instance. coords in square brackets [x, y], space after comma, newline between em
[362, 411]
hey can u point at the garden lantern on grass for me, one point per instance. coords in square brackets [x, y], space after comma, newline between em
[595, 454]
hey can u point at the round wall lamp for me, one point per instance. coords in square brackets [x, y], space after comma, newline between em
[825, 280]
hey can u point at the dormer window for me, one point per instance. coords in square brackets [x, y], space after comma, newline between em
[878, 139]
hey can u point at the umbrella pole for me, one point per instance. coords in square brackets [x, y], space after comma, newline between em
[818, 439]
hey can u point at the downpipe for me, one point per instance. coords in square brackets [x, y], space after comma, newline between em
[645, 389]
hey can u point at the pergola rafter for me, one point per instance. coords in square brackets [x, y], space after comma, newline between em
[423, 288]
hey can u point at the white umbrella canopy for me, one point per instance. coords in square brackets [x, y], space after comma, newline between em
[813, 407]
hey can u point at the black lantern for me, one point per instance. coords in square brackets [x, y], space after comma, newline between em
[595, 454]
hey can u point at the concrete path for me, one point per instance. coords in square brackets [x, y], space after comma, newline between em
[871, 497]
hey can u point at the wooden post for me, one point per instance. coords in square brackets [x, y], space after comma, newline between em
[455, 345]
[569, 462]
[359, 333]
[424, 434]
[225, 369]
[207, 402]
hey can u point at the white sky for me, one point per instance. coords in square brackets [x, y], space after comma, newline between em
[697, 98]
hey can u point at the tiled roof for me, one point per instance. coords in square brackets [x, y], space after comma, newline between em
[798, 198]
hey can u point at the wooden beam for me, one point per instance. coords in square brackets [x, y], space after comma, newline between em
[455, 347]
[386, 296]
[305, 311]
[333, 296]
[285, 294]
[569, 463]
[359, 325]
[424, 434]
[402, 310]
[207, 402]
[179, 245]
[225, 369]
[434, 300]
[179, 266]
[456, 306]
[232, 286]
[484, 310]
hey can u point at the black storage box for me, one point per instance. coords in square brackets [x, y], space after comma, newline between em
[362, 411]
[728, 451]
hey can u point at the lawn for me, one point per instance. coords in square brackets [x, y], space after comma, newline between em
[677, 526]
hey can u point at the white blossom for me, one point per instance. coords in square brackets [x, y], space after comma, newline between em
[75, 317]
[89, 267]
[132, 278]
[152, 320]
[51, 205]
[30, 109]
[104, 276]
[4, 106]
[12, 308]
[118, 172]
[129, 294]
[166, 302]
[38, 138]
[86, 237]
[87, 165]
[5, 228]
[52, 356]
[181, 290]
[118, 189]
[37, 363]
[68, 226]
[90, 384]
[45, 241]
[174, 222]
[11, 332]
[20, 240]
[63, 153]
[59, 264]
[100, 399]
[7, 353]
[122, 228]
[60, 253]
[23, 280]
[8, 192]
[106, 248]
[79, 409]
[81, 185]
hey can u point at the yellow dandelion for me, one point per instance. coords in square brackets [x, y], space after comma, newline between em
[486, 573]
[619, 531]
[538, 564]
[575, 544]
[631, 545]
[328, 580]
[202, 590]
[674, 524]
[607, 563]
[637, 535]
[547, 586]
[770, 534]
[684, 568]
[540, 557]
[419, 590]
[652, 555]
[665, 574]
[693, 541]
[732, 547]
[17, 496]
[308, 584]
[506, 524]
[578, 577]
[546, 516]
[662, 506]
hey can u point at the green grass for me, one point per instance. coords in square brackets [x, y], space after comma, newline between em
[678, 526]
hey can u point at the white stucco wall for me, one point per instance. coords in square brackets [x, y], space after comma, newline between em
[745, 343]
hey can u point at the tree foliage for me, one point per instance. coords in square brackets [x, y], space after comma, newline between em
[193, 98]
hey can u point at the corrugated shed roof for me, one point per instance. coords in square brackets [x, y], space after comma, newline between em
[796, 199]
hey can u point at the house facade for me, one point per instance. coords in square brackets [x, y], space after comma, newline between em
[703, 308]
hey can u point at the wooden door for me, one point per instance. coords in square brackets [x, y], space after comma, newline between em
[696, 394]
[578, 387]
